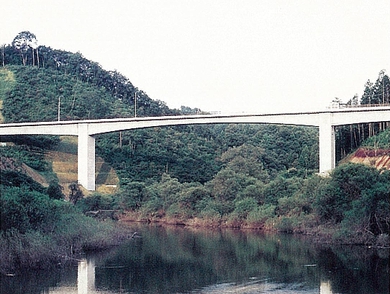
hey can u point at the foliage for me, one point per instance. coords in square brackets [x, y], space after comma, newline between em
[33, 157]
[257, 217]
[23, 209]
[95, 202]
[357, 196]
[55, 190]
[10, 178]
[381, 141]
[75, 193]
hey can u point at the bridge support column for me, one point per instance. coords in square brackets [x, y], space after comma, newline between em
[86, 158]
[326, 144]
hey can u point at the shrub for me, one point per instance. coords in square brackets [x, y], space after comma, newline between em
[259, 215]
[95, 202]
[55, 190]
[244, 206]
[23, 209]
[285, 225]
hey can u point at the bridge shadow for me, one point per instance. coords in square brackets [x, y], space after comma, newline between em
[105, 174]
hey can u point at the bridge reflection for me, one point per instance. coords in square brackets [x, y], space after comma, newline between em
[85, 280]
[86, 284]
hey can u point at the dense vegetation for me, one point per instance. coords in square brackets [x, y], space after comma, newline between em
[257, 176]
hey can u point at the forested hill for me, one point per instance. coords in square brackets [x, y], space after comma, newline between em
[259, 176]
[78, 81]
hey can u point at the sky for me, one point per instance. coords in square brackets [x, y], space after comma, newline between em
[251, 56]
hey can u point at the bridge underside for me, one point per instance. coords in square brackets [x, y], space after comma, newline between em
[86, 154]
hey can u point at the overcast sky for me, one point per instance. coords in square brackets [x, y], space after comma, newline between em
[226, 55]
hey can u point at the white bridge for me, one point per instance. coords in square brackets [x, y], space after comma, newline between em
[87, 129]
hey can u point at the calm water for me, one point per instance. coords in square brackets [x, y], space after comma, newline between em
[183, 260]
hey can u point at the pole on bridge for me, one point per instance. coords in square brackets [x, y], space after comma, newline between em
[86, 158]
[326, 143]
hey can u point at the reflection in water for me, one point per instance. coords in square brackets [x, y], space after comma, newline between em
[325, 287]
[86, 276]
[184, 260]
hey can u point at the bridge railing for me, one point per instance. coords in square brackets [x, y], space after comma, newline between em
[344, 105]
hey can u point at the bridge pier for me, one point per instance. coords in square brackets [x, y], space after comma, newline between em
[327, 143]
[86, 158]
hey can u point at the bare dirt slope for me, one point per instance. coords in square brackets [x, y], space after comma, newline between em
[380, 158]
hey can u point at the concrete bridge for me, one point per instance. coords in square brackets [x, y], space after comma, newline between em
[85, 130]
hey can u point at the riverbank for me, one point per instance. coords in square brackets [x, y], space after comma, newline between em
[320, 233]
[37, 250]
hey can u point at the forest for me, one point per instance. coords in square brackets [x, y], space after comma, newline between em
[242, 176]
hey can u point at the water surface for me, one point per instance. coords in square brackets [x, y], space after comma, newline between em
[188, 260]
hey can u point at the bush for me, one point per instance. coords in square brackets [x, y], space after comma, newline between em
[22, 209]
[244, 206]
[357, 195]
[257, 217]
[55, 190]
[285, 225]
[11, 178]
[96, 202]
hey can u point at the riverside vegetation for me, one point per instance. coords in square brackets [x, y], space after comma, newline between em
[243, 176]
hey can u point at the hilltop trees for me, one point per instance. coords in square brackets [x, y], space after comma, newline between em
[25, 48]
[378, 93]
[24, 43]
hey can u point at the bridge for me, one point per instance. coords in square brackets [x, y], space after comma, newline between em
[85, 130]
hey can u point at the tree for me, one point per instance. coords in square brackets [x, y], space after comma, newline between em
[75, 193]
[23, 42]
[3, 54]
[246, 159]
[55, 190]
[356, 192]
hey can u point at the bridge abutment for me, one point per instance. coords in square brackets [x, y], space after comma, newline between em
[86, 158]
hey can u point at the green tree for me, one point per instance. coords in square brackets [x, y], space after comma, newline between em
[246, 159]
[75, 193]
[355, 191]
[55, 190]
[24, 42]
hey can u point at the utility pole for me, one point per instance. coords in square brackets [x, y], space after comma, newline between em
[135, 104]
[59, 109]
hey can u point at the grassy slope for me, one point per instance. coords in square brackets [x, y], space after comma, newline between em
[7, 81]
[64, 165]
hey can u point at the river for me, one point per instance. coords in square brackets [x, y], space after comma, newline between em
[161, 259]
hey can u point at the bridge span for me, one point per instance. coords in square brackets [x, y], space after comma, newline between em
[85, 130]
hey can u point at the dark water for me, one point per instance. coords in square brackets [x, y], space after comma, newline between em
[183, 260]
